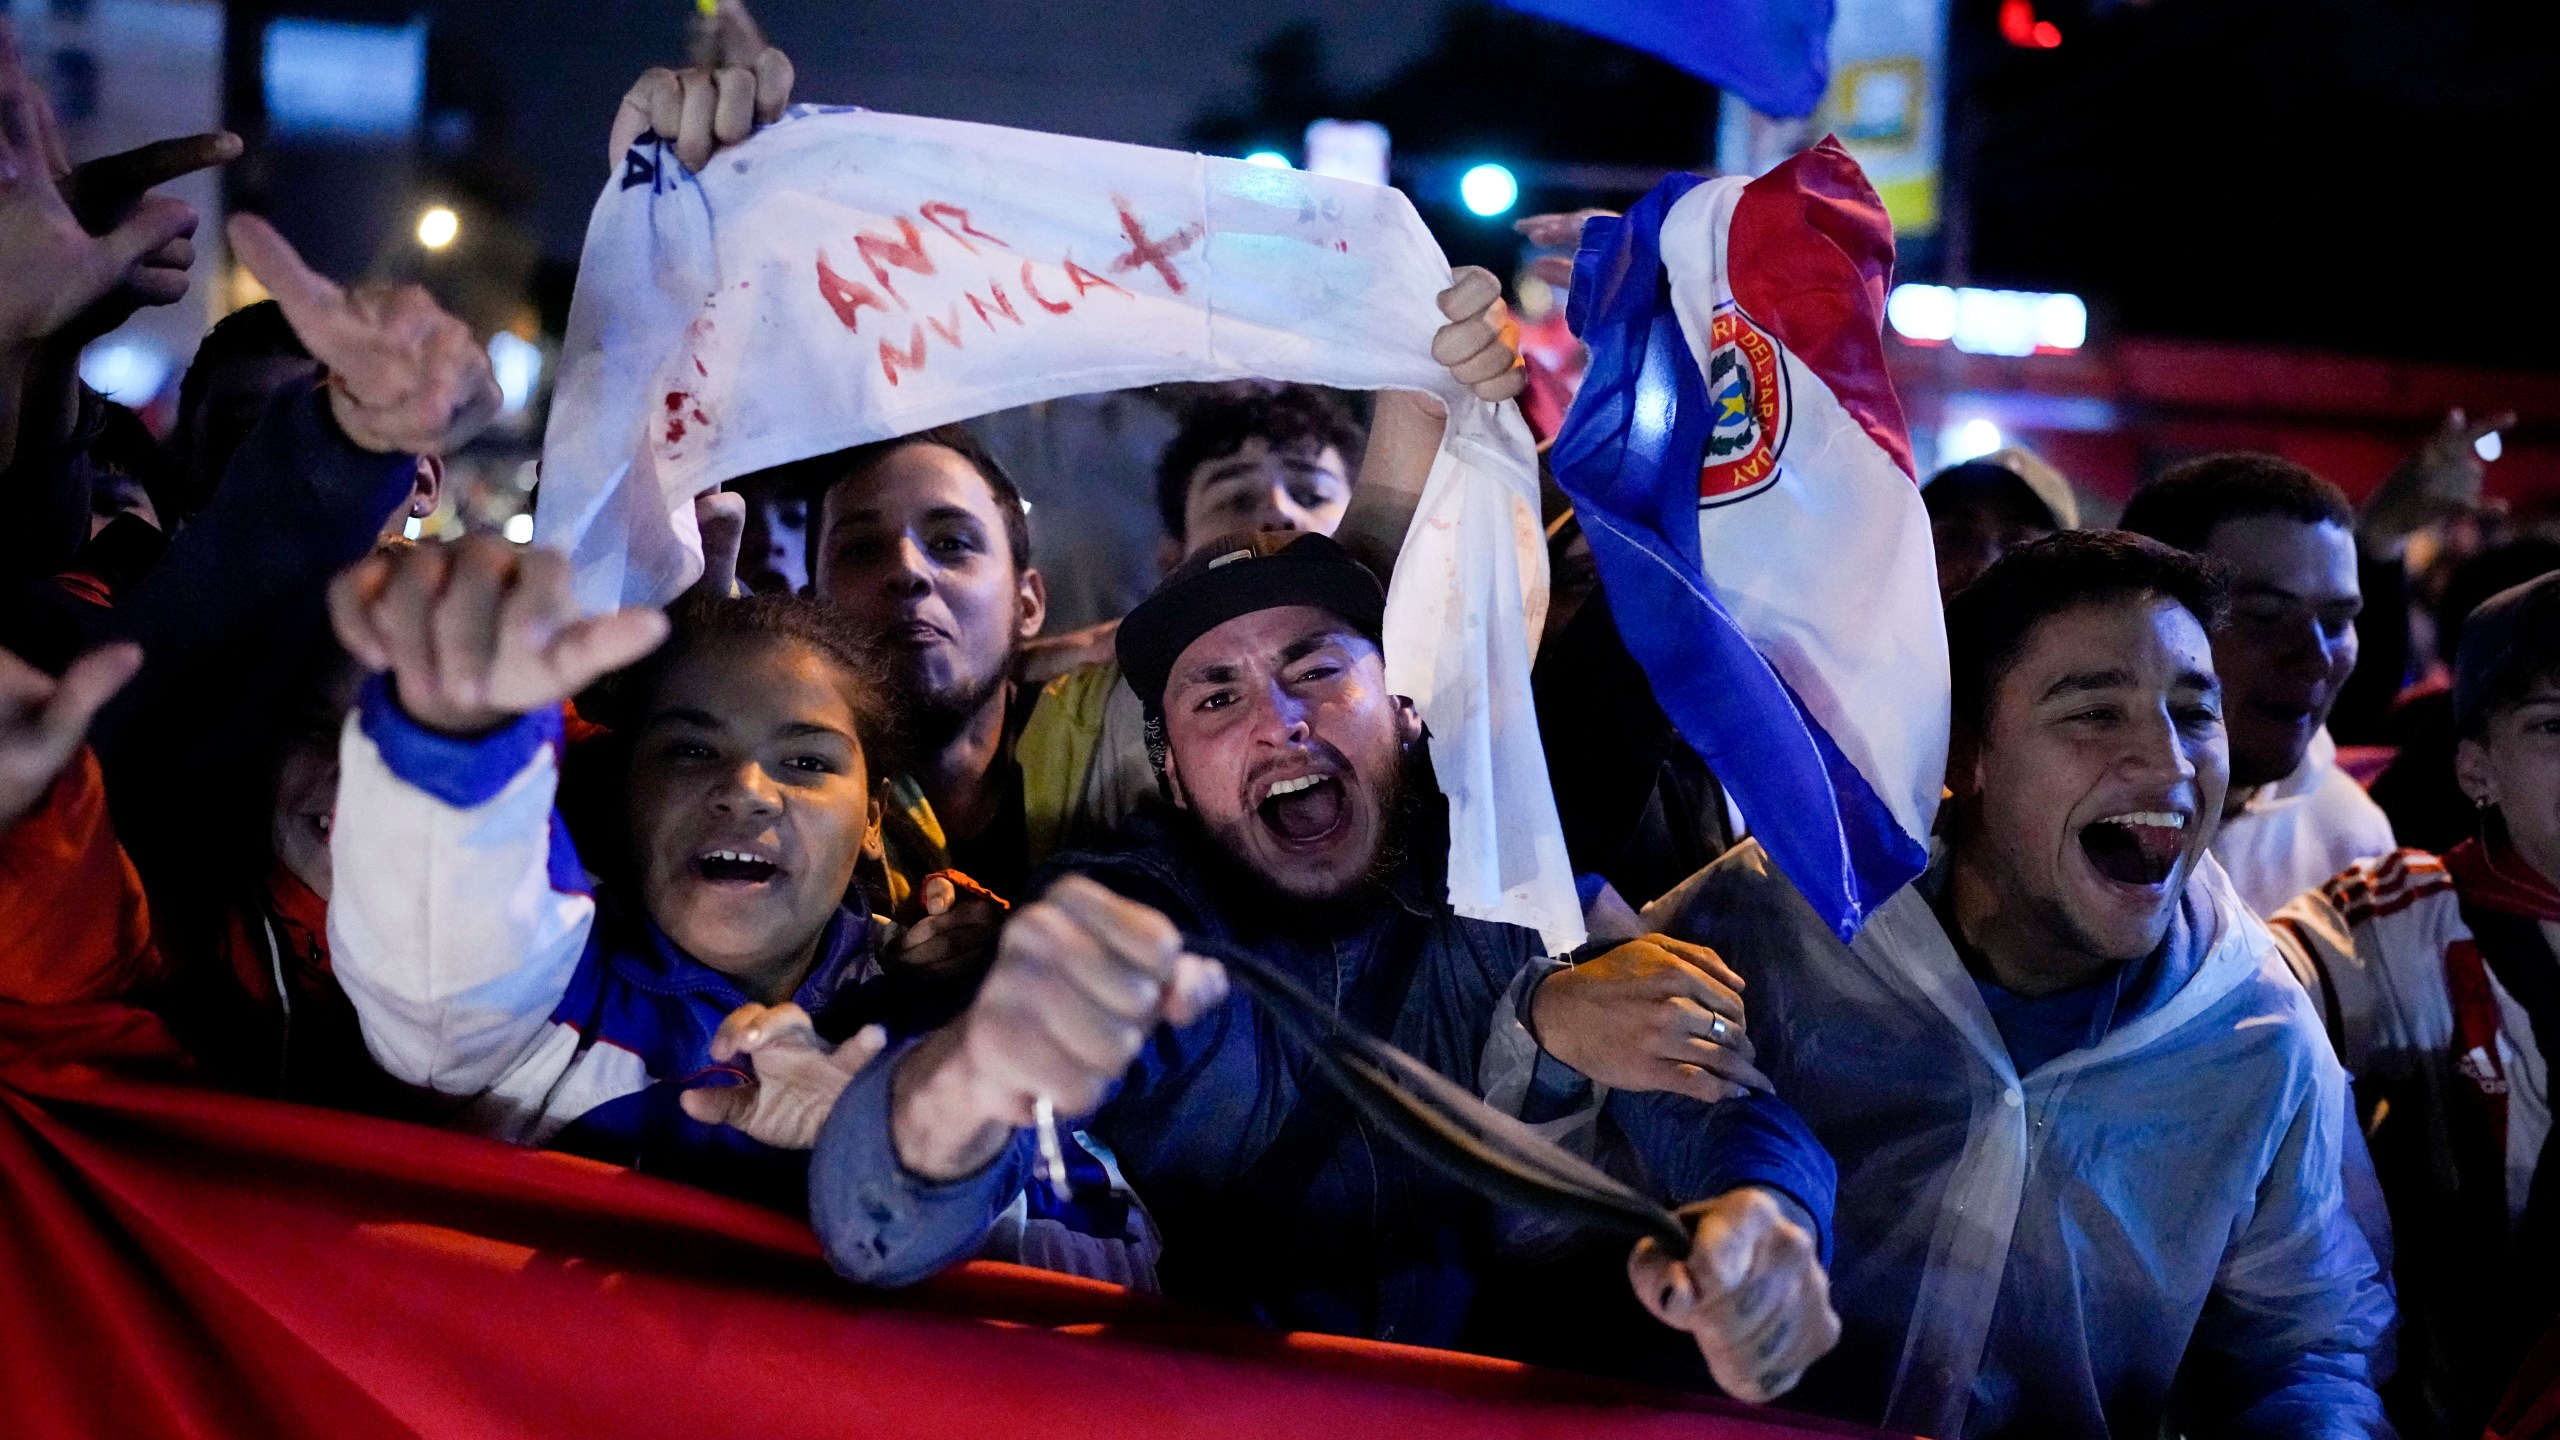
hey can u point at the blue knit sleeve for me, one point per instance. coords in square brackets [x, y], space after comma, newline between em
[1698, 1151]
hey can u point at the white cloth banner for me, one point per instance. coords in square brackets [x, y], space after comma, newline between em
[847, 276]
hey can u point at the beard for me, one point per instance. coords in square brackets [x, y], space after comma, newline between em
[932, 715]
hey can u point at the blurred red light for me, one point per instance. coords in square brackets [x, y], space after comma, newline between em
[2020, 27]
[2018, 22]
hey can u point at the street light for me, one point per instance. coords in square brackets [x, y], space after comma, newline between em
[1489, 190]
[437, 225]
[1269, 160]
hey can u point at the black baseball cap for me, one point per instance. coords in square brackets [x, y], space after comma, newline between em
[1236, 575]
[2510, 641]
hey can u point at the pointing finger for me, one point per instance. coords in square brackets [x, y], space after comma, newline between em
[313, 304]
[591, 649]
[102, 190]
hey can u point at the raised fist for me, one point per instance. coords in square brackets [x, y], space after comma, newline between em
[1082, 976]
[1752, 1293]
[1481, 343]
[737, 82]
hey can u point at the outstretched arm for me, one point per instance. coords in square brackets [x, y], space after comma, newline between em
[458, 917]
[926, 1148]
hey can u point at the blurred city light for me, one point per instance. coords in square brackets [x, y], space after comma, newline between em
[1988, 322]
[1489, 190]
[437, 226]
[126, 369]
[518, 363]
[520, 529]
[1970, 440]
[1269, 160]
[2487, 447]
[1348, 150]
[333, 78]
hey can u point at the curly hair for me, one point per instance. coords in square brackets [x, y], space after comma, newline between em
[1286, 418]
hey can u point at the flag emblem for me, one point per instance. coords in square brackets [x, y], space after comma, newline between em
[1747, 407]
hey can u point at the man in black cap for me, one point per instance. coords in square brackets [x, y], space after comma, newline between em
[1303, 825]
[2442, 994]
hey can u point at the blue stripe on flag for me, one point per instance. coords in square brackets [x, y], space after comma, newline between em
[1629, 455]
[1774, 53]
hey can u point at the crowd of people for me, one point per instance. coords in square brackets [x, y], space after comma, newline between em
[2173, 1097]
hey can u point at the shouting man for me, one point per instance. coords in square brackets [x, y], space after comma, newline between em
[1306, 828]
[2089, 1131]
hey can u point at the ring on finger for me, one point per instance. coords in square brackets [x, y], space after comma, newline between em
[1717, 1029]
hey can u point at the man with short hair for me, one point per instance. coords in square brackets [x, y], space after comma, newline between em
[1245, 461]
[2089, 1132]
[922, 540]
[2287, 539]
[1306, 829]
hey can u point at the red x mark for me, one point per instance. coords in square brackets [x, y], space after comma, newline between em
[1159, 253]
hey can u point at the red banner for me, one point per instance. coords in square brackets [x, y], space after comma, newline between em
[180, 1262]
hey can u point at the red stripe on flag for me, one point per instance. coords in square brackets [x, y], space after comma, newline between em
[1811, 256]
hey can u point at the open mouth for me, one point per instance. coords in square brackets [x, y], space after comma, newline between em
[734, 867]
[2139, 847]
[1305, 809]
[912, 634]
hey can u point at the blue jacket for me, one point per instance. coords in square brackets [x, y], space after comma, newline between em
[1274, 1202]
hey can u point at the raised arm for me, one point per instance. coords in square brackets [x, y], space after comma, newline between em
[1480, 346]
[458, 915]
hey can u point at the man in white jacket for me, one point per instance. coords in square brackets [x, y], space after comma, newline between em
[2287, 540]
[2089, 1132]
